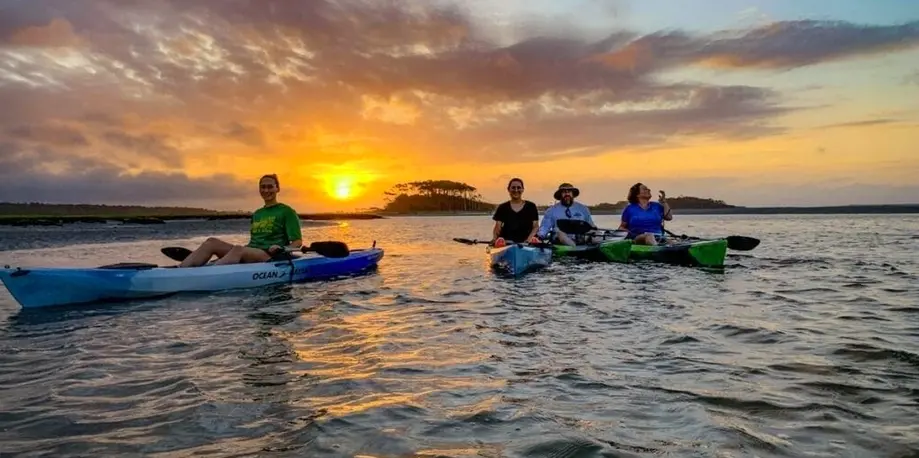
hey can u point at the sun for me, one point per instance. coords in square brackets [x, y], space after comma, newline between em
[342, 182]
[341, 187]
[342, 190]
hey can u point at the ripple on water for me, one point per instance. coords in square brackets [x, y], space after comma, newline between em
[803, 347]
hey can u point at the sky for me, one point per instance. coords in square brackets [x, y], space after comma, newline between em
[189, 102]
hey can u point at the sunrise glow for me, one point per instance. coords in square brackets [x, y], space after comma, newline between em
[768, 102]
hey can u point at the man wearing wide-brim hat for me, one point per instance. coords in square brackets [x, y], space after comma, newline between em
[565, 209]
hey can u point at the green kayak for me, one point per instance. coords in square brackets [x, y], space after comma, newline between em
[607, 250]
[705, 253]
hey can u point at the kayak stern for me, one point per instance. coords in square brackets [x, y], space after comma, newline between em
[710, 253]
[704, 253]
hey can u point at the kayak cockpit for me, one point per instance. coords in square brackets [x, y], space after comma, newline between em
[130, 266]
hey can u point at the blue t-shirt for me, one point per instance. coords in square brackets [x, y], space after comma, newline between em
[639, 220]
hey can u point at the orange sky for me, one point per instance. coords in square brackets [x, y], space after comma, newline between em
[189, 102]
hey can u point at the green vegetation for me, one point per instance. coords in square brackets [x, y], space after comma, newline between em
[434, 196]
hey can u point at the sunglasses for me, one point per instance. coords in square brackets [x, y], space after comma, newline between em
[266, 186]
[516, 188]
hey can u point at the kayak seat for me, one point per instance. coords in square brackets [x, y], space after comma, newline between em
[574, 226]
[130, 266]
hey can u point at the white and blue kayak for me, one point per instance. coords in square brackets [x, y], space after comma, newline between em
[36, 287]
[518, 258]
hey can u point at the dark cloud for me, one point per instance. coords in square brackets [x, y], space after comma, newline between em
[248, 135]
[420, 78]
[799, 43]
[726, 111]
[148, 144]
[102, 119]
[50, 134]
[25, 177]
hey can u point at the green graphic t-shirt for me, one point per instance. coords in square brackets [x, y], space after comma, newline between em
[274, 225]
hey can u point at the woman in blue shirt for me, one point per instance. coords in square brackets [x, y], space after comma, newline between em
[645, 219]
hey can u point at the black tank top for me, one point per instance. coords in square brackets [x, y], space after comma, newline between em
[517, 225]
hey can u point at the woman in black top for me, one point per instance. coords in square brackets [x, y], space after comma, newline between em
[516, 220]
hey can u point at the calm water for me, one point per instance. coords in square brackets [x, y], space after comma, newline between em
[806, 347]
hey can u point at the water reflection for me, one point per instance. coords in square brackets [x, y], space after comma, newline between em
[806, 349]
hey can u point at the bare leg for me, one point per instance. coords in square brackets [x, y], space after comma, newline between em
[645, 239]
[211, 247]
[563, 237]
[242, 254]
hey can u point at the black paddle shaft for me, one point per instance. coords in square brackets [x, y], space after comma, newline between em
[329, 249]
[735, 242]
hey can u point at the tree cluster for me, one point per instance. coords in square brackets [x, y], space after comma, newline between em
[434, 195]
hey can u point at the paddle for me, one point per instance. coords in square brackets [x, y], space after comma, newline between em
[471, 242]
[735, 242]
[329, 249]
[484, 242]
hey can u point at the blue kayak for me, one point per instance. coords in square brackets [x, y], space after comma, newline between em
[54, 286]
[518, 258]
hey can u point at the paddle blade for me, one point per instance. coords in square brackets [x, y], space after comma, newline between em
[176, 253]
[330, 249]
[469, 242]
[741, 243]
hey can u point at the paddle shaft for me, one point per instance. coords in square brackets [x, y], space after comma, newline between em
[330, 249]
[483, 242]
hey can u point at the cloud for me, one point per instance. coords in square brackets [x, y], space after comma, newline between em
[862, 123]
[147, 144]
[159, 84]
[25, 176]
[49, 133]
[792, 44]
[246, 134]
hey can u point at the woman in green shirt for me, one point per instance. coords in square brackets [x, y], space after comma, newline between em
[274, 226]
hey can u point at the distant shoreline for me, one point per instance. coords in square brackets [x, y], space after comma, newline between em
[153, 218]
[826, 210]
[60, 220]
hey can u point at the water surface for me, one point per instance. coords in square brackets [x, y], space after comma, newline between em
[807, 346]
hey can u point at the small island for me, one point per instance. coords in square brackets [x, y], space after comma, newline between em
[434, 197]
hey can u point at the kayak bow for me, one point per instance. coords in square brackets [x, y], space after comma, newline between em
[517, 258]
[36, 287]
